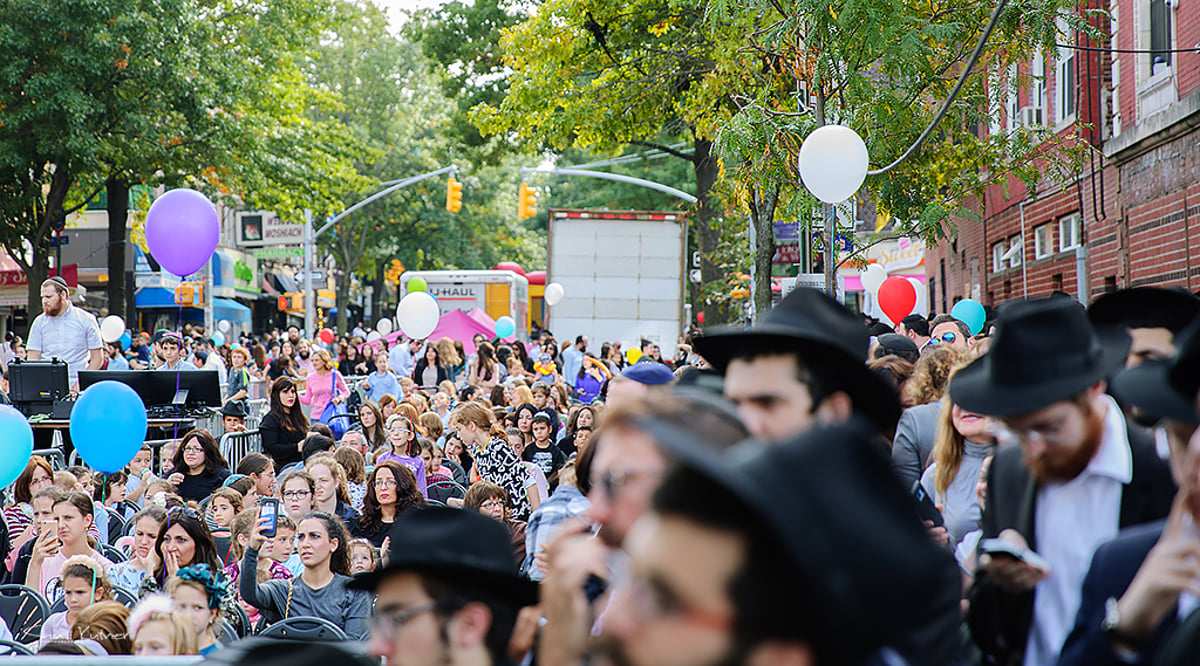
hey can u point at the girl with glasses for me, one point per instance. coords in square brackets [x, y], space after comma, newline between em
[391, 490]
[298, 489]
[402, 437]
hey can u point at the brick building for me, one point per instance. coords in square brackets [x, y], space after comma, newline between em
[1132, 215]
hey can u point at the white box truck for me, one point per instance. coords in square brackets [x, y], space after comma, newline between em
[622, 274]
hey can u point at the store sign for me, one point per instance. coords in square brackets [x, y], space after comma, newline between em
[907, 253]
[263, 228]
[787, 254]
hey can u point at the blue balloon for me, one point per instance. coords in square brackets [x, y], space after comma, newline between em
[108, 425]
[505, 326]
[218, 338]
[126, 340]
[971, 313]
[18, 444]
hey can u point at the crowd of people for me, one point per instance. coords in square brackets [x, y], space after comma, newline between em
[813, 489]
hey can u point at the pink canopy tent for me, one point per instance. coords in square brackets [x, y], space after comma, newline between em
[459, 325]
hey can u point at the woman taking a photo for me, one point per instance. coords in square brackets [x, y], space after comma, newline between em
[321, 589]
[391, 490]
[494, 459]
[284, 428]
[61, 539]
[198, 467]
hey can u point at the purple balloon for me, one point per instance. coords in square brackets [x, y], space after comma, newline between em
[182, 230]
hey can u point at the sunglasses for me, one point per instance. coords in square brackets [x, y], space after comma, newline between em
[183, 511]
[947, 338]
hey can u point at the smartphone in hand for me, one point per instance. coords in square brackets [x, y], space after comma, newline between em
[269, 508]
[926, 508]
[1008, 549]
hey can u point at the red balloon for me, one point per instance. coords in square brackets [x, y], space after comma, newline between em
[897, 298]
[700, 317]
[326, 336]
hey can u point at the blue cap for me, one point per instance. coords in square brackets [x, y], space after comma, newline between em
[650, 373]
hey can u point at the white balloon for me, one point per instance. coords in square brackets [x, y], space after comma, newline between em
[112, 328]
[373, 336]
[833, 163]
[922, 306]
[384, 326]
[873, 277]
[554, 294]
[224, 325]
[417, 314]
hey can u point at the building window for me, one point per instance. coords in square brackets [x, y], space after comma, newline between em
[1016, 257]
[1064, 75]
[995, 89]
[1068, 232]
[999, 263]
[1037, 75]
[1160, 36]
[1043, 241]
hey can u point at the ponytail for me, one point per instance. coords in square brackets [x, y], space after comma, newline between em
[473, 412]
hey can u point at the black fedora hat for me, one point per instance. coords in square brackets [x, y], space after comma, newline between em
[1146, 307]
[462, 545]
[830, 339]
[852, 532]
[1148, 388]
[1045, 350]
[234, 408]
[1184, 375]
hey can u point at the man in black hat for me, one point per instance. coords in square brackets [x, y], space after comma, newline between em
[801, 364]
[1152, 316]
[449, 595]
[1141, 589]
[1080, 472]
[916, 328]
[804, 553]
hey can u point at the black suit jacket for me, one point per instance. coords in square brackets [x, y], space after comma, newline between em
[1000, 621]
[1113, 567]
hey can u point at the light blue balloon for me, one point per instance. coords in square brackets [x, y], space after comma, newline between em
[505, 326]
[126, 340]
[218, 338]
[18, 444]
[108, 425]
[971, 313]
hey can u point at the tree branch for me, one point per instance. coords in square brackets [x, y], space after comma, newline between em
[666, 149]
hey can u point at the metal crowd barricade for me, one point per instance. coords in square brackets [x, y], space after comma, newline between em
[235, 445]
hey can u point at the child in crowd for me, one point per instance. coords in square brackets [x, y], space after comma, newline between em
[129, 574]
[66, 481]
[363, 556]
[83, 583]
[198, 591]
[268, 568]
[283, 548]
[222, 507]
[140, 476]
[158, 631]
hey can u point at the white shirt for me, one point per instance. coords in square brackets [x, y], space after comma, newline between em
[215, 362]
[1071, 521]
[70, 336]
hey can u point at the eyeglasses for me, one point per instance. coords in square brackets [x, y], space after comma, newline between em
[650, 600]
[193, 449]
[384, 624]
[614, 481]
[398, 430]
[385, 483]
[296, 494]
[495, 503]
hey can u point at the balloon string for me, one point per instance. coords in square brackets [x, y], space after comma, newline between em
[178, 368]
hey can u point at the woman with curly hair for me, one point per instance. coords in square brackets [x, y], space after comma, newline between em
[391, 490]
[321, 589]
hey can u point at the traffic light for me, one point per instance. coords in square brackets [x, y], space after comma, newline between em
[453, 195]
[526, 202]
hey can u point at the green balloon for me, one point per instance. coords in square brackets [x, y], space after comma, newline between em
[416, 283]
